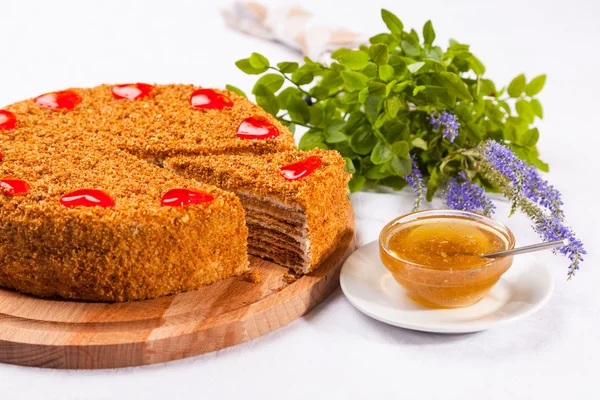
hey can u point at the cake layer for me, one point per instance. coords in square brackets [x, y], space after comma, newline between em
[311, 211]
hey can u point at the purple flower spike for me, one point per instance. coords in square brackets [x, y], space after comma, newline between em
[417, 183]
[553, 228]
[527, 190]
[462, 194]
[447, 122]
[525, 178]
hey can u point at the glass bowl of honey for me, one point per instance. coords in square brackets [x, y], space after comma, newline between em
[435, 255]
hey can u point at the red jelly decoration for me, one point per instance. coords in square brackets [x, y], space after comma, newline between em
[301, 169]
[63, 100]
[13, 187]
[184, 197]
[8, 120]
[132, 91]
[209, 99]
[257, 128]
[87, 198]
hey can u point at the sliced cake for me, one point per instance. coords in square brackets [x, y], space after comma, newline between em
[296, 202]
[89, 213]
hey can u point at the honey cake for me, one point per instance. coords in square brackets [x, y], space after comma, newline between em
[296, 202]
[86, 216]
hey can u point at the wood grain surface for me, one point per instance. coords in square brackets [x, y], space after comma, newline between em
[83, 335]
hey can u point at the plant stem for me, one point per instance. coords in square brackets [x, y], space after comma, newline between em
[289, 80]
[293, 122]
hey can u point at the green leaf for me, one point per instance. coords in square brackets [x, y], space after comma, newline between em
[339, 52]
[259, 61]
[382, 153]
[379, 53]
[349, 165]
[298, 109]
[525, 110]
[356, 183]
[272, 82]
[400, 149]
[400, 86]
[542, 166]
[286, 93]
[455, 85]
[401, 166]
[377, 172]
[435, 178]
[287, 67]
[530, 138]
[414, 67]
[537, 108]
[333, 132]
[235, 90]
[517, 86]
[302, 76]
[354, 59]
[418, 89]
[269, 103]
[420, 143]
[310, 140]
[376, 88]
[393, 105]
[392, 22]
[395, 182]
[411, 49]
[354, 80]
[476, 65]
[363, 141]
[246, 67]
[536, 85]
[362, 96]
[428, 33]
[386, 72]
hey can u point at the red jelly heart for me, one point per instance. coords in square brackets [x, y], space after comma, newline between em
[209, 99]
[132, 91]
[13, 187]
[301, 169]
[8, 120]
[184, 197]
[63, 100]
[87, 198]
[257, 128]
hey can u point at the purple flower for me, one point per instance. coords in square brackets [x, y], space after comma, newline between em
[416, 182]
[524, 186]
[447, 122]
[462, 194]
[553, 228]
[525, 178]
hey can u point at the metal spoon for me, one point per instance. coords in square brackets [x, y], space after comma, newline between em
[527, 249]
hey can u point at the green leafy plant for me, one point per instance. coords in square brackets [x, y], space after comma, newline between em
[374, 105]
[404, 111]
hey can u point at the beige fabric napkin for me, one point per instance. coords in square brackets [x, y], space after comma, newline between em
[292, 26]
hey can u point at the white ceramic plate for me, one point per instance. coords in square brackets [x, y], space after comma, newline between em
[370, 287]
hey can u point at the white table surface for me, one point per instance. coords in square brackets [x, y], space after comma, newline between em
[335, 351]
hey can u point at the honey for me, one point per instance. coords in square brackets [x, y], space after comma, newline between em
[436, 257]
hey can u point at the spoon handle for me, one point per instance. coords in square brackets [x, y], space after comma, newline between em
[527, 249]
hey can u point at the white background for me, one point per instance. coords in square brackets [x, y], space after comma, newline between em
[336, 352]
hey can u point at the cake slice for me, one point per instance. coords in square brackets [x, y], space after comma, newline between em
[296, 203]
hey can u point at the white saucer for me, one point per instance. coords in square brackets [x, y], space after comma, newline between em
[370, 287]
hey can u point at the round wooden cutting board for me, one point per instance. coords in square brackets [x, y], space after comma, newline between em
[82, 335]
